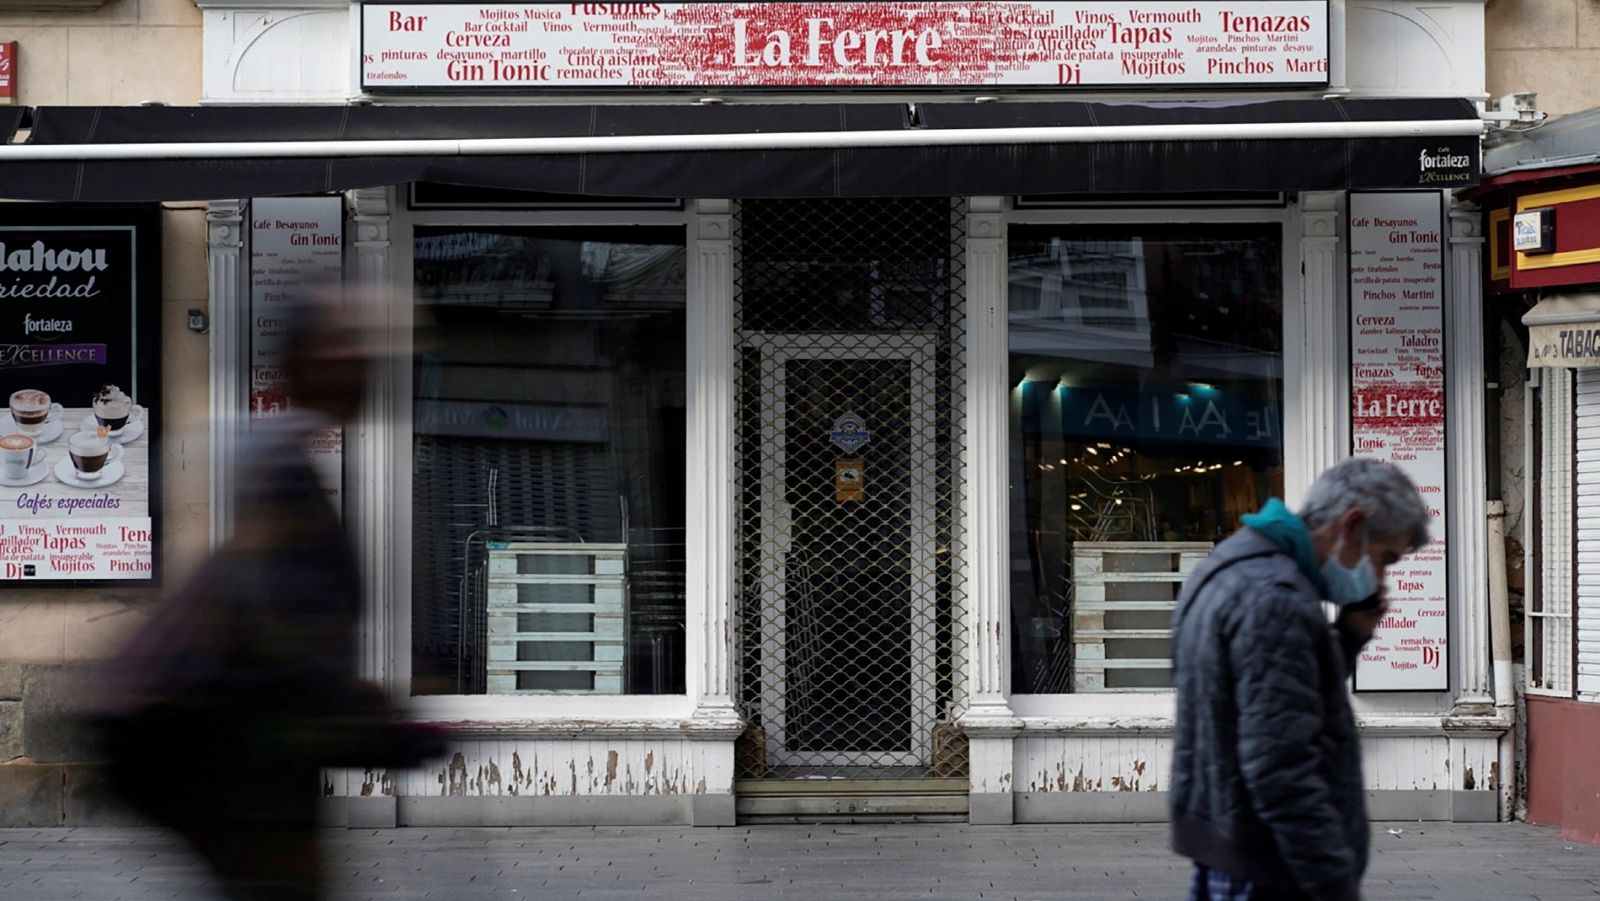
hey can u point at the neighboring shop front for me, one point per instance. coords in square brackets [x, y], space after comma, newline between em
[1542, 208]
[854, 473]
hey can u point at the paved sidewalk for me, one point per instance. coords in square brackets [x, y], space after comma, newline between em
[1425, 861]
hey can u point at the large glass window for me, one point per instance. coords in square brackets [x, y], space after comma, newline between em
[1146, 417]
[548, 484]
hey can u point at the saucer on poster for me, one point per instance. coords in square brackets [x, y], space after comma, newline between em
[130, 432]
[34, 475]
[110, 475]
[51, 431]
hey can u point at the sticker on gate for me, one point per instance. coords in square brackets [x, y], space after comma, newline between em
[849, 433]
[849, 481]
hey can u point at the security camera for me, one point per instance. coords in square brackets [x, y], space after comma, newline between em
[1518, 106]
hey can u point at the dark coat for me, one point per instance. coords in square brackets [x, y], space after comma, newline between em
[1266, 774]
[244, 683]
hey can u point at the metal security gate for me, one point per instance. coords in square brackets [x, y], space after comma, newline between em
[849, 319]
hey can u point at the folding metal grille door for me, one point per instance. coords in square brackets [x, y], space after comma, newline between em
[849, 333]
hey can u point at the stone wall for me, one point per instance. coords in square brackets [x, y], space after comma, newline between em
[1548, 46]
[123, 52]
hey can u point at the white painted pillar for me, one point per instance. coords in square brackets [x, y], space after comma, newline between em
[1316, 370]
[229, 275]
[375, 486]
[989, 722]
[1465, 427]
[711, 649]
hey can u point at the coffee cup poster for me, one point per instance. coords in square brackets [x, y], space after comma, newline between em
[79, 351]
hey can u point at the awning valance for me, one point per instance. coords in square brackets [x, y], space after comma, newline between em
[864, 149]
[1564, 331]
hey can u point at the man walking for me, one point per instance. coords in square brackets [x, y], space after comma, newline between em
[1267, 796]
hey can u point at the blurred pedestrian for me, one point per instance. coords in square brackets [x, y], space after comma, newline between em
[1267, 796]
[222, 710]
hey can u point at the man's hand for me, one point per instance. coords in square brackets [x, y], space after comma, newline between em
[1365, 622]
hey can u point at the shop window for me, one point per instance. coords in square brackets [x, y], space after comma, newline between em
[548, 478]
[1146, 418]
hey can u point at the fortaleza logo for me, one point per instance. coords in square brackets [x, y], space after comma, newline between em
[1444, 167]
[24, 356]
[40, 258]
[32, 326]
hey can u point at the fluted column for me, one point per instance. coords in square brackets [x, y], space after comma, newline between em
[989, 722]
[1316, 338]
[1465, 427]
[378, 487]
[984, 473]
[230, 352]
[711, 651]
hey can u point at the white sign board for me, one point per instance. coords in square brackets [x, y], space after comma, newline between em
[1398, 415]
[295, 243]
[1532, 231]
[995, 44]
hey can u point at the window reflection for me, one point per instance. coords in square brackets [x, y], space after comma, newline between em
[1146, 418]
[548, 547]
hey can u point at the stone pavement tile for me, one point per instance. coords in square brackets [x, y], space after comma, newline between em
[849, 863]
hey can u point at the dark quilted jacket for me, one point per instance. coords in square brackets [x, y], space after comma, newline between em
[1266, 772]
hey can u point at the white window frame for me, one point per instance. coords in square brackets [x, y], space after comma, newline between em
[515, 708]
[1300, 462]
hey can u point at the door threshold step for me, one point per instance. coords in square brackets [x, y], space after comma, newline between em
[810, 787]
[851, 819]
[889, 806]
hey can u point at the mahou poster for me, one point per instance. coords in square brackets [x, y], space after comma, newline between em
[80, 346]
[1052, 44]
[1398, 415]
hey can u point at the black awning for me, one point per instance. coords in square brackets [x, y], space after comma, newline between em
[1288, 163]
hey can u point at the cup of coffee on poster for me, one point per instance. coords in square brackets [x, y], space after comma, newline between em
[18, 453]
[114, 409]
[91, 453]
[32, 411]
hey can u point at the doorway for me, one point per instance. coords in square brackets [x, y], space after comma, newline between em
[850, 329]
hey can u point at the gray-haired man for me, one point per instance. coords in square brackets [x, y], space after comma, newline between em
[1266, 791]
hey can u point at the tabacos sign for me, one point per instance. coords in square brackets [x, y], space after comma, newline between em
[1051, 44]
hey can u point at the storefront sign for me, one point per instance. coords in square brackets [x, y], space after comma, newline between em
[1398, 415]
[1195, 414]
[1564, 331]
[79, 371]
[1534, 231]
[295, 243]
[512, 422]
[1450, 164]
[985, 44]
[8, 73]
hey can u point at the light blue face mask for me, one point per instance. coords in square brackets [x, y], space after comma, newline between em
[1349, 585]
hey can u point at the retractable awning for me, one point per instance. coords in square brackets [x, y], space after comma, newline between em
[1564, 332]
[746, 150]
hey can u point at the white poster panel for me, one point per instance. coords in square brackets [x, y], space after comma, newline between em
[1398, 415]
[995, 44]
[295, 243]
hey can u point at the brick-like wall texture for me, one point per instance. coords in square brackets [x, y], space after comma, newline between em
[1548, 46]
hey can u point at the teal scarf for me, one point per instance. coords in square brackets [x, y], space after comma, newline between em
[1288, 532]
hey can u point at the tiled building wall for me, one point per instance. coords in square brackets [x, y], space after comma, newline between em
[120, 52]
[1548, 46]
